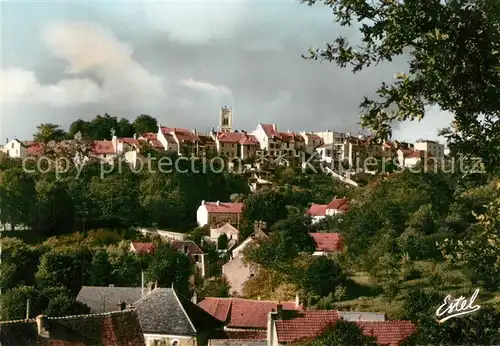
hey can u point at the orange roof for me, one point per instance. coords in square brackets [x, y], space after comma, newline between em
[34, 148]
[341, 204]
[243, 313]
[317, 210]
[103, 147]
[312, 323]
[230, 208]
[143, 248]
[327, 242]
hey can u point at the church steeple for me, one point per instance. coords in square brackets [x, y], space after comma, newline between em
[226, 119]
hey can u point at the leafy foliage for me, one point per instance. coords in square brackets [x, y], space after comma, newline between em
[445, 43]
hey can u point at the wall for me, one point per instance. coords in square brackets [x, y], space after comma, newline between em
[237, 273]
[169, 339]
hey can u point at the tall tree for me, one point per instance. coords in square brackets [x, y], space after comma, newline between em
[124, 128]
[446, 43]
[49, 132]
[145, 123]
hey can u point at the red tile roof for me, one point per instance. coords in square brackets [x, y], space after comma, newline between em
[312, 323]
[35, 149]
[109, 329]
[143, 248]
[269, 130]
[327, 242]
[340, 204]
[182, 134]
[388, 332]
[237, 137]
[186, 136]
[306, 324]
[286, 137]
[317, 210]
[103, 147]
[167, 130]
[223, 208]
[229, 137]
[406, 152]
[243, 313]
[249, 140]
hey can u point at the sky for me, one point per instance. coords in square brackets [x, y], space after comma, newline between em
[180, 61]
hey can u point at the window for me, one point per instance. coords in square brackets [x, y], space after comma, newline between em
[12, 145]
[214, 219]
[196, 258]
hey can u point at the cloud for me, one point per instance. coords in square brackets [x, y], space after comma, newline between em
[205, 86]
[86, 48]
[196, 22]
[20, 85]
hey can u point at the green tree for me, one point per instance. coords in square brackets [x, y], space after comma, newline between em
[446, 43]
[101, 126]
[14, 302]
[215, 287]
[170, 267]
[124, 128]
[77, 126]
[321, 276]
[266, 205]
[289, 238]
[63, 267]
[222, 242]
[49, 132]
[339, 334]
[481, 248]
[145, 123]
[101, 269]
[17, 193]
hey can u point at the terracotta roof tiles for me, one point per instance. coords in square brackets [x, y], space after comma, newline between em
[224, 207]
[327, 242]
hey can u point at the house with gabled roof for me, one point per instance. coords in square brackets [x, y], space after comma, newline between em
[108, 329]
[212, 213]
[226, 228]
[327, 243]
[164, 314]
[286, 327]
[337, 206]
[167, 316]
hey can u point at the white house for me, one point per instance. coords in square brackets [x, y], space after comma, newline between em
[211, 213]
[430, 148]
[336, 207]
[14, 149]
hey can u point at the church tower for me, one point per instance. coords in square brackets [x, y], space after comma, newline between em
[226, 119]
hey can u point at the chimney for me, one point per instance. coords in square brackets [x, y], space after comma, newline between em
[218, 202]
[279, 311]
[121, 306]
[258, 298]
[142, 283]
[41, 324]
[203, 202]
[297, 300]
[6, 140]
[135, 135]
[194, 299]
[150, 286]
[28, 309]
